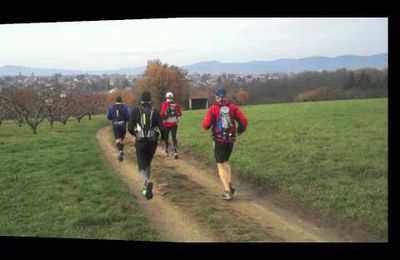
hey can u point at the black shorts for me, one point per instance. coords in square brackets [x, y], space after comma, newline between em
[119, 131]
[222, 151]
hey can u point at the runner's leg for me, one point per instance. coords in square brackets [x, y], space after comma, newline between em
[174, 130]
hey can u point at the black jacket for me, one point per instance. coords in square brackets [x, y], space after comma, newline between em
[134, 119]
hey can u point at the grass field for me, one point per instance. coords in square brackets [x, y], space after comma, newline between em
[57, 184]
[329, 158]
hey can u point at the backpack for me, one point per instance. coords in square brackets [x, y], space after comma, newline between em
[171, 110]
[224, 124]
[145, 131]
[224, 127]
[171, 113]
[117, 116]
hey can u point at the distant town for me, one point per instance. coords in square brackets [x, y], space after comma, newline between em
[113, 83]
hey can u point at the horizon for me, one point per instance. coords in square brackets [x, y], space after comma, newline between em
[115, 44]
[206, 61]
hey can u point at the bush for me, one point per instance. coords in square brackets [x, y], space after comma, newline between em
[323, 93]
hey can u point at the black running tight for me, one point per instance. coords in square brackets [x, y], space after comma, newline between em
[173, 130]
[144, 154]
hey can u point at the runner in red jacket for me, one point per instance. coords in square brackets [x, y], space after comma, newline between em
[222, 117]
[170, 111]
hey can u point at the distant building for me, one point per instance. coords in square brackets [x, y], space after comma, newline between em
[113, 90]
[198, 98]
[273, 76]
[63, 94]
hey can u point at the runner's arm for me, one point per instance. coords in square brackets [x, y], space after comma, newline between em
[242, 121]
[179, 109]
[207, 122]
[158, 121]
[163, 110]
[110, 113]
[126, 114]
[132, 122]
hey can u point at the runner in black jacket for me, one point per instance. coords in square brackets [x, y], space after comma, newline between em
[145, 124]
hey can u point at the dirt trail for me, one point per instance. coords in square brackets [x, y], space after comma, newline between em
[279, 223]
[177, 225]
[168, 219]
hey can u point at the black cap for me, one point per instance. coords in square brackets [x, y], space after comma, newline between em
[146, 96]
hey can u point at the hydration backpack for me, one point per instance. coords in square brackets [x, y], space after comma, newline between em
[224, 124]
[224, 128]
[171, 113]
[145, 131]
[171, 110]
[117, 116]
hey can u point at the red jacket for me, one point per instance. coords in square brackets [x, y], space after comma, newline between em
[235, 114]
[170, 120]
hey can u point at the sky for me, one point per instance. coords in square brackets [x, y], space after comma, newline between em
[103, 45]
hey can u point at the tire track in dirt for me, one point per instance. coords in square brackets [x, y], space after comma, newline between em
[278, 222]
[173, 224]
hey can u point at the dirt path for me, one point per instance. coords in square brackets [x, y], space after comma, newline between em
[278, 222]
[168, 219]
[177, 225]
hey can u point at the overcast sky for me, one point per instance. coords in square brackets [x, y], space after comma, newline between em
[118, 44]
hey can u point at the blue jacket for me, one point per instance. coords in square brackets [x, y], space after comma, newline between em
[123, 109]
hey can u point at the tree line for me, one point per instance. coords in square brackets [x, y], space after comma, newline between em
[59, 103]
[314, 85]
[33, 106]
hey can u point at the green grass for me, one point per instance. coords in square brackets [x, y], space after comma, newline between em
[330, 158]
[218, 219]
[57, 184]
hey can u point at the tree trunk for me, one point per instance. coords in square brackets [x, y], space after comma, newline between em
[34, 129]
[1, 121]
[51, 124]
[90, 116]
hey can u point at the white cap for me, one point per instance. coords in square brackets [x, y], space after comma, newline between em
[169, 95]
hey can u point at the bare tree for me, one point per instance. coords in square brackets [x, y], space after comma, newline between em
[85, 104]
[8, 114]
[27, 104]
[95, 102]
[3, 111]
[18, 118]
[59, 108]
[79, 105]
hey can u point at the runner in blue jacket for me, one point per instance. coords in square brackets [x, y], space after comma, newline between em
[119, 116]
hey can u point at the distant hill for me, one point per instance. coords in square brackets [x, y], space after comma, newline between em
[349, 62]
[10, 70]
[291, 65]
